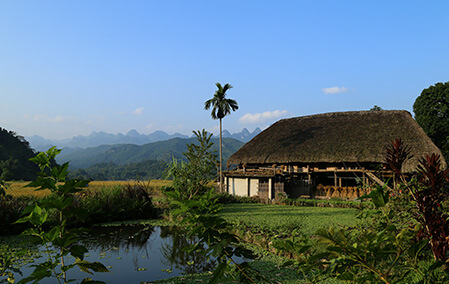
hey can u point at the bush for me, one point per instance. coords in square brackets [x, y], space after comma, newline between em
[327, 203]
[117, 203]
[226, 198]
[10, 211]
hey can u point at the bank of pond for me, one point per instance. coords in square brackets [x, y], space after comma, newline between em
[148, 251]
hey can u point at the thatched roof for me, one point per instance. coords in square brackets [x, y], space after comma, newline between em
[358, 136]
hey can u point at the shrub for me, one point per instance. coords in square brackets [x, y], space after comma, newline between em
[10, 211]
[116, 203]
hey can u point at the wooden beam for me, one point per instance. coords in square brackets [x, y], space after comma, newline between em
[376, 179]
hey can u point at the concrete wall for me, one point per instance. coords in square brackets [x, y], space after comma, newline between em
[238, 186]
[253, 187]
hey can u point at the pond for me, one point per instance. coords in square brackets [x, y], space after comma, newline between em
[136, 254]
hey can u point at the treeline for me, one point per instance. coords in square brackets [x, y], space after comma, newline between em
[15, 153]
[110, 171]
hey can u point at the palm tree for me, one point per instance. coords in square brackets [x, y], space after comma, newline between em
[221, 106]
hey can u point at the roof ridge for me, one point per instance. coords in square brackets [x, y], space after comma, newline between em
[338, 113]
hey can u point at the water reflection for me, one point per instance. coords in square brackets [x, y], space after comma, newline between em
[135, 254]
[124, 237]
[175, 254]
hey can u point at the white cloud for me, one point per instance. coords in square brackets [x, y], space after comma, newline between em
[335, 90]
[262, 117]
[138, 111]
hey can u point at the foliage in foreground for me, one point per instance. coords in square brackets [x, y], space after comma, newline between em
[402, 241]
[58, 241]
[195, 205]
[125, 201]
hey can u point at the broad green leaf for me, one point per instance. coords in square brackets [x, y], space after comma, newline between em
[51, 235]
[88, 266]
[78, 251]
[90, 281]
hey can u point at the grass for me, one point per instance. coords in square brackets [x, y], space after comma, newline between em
[282, 217]
[17, 188]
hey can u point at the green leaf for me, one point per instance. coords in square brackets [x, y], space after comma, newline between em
[346, 276]
[51, 235]
[218, 273]
[90, 281]
[379, 196]
[78, 251]
[37, 216]
[88, 266]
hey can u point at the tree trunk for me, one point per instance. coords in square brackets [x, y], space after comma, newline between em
[221, 173]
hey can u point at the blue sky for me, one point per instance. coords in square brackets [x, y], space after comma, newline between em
[68, 68]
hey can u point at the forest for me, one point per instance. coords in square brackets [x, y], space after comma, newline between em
[15, 153]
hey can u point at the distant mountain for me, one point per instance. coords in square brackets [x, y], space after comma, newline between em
[124, 154]
[243, 136]
[101, 138]
[132, 137]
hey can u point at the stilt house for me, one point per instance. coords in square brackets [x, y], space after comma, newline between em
[328, 154]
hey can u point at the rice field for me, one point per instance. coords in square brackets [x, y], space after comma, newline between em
[18, 188]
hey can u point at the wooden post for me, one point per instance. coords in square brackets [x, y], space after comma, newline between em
[335, 177]
[270, 181]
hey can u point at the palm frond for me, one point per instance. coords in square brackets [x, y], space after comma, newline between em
[221, 106]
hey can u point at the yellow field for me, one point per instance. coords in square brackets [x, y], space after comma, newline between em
[18, 188]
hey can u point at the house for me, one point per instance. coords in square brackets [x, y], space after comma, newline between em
[326, 154]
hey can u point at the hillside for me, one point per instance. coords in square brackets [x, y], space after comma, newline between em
[125, 154]
[109, 171]
[15, 153]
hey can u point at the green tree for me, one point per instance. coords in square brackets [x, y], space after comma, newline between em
[375, 108]
[431, 110]
[192, 178]
[221, 106]
[15, 153]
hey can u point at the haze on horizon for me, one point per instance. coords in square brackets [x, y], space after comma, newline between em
[71, 68]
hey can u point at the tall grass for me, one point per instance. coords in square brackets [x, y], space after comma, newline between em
[100, 202]
[18, 189]
[117, 203]
[10, 210]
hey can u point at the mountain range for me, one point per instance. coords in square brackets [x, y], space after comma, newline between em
[132, 137]
[124, 154]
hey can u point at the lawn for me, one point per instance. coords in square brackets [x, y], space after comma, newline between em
[284, 217]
